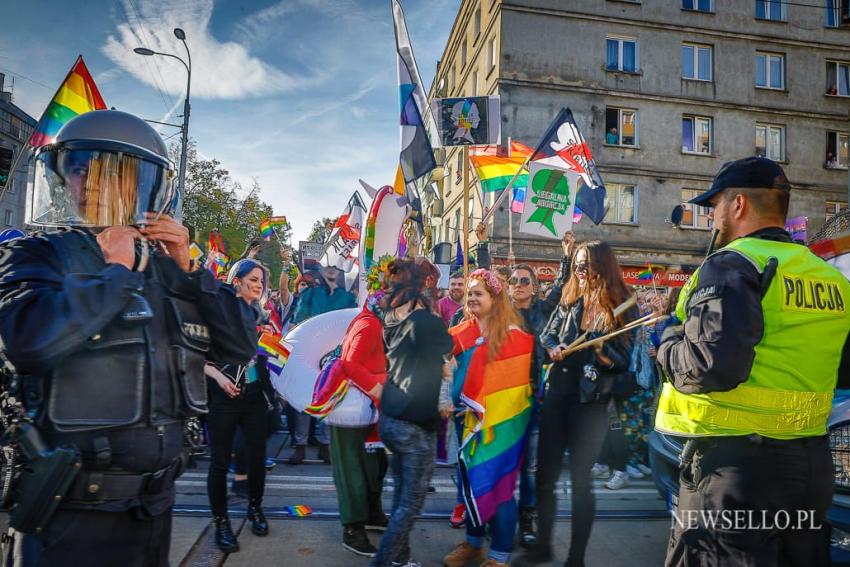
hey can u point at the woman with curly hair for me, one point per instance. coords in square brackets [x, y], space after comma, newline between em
[574, 413]
[416, 341]
[493, 382]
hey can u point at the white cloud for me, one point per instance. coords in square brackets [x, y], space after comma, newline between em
[220, 70]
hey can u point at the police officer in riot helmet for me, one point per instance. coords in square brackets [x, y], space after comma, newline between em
[108, 332]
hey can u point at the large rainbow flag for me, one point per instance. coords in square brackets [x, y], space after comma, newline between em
[496, 171]
[498, 395]
[77, 95]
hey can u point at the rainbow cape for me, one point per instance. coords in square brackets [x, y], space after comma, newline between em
[498, 395]
[495, 171]
[77, 95]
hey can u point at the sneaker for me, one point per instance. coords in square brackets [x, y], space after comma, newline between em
[378, 523]
[618, 480]
[298, 455]
[600, 471]
[270, 464]
[634, 472]
[356, 541]
[644, 469]
[463, 555]
[527, 534]
[409, 563]
[493, 563]
[458, 516]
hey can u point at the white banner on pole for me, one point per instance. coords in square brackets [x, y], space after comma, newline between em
[549, 201]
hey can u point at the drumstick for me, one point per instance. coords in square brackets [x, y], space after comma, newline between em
[619, 310]
[646, 320]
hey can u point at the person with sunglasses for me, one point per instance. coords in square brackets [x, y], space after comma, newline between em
[574, 411]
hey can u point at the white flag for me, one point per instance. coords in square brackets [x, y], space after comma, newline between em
[343, 246]
[549, 200]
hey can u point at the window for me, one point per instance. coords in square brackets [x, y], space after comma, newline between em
[770, 70]
[837, 13]
[491, 54]
[620, 204]
[696, 135]
[834, 207]
[457, 225]
[621, 127]
[770, 10]
[697, 5]
[475, 82]
[837, 154]
[476, 22]
[622, 54]
[459, 167]
[453, 82]
[7, 217]
[770, 141]
[463, 54]
[694, 216]
[838, 78]
[15, 130]
[696, 62]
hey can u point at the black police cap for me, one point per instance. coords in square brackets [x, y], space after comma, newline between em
[756, 172]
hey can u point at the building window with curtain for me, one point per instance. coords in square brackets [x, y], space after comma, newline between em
[696, 135]
[838, 78]
[694, 216]
[837, 13]
[621, 127]
[770, 10]
[770, 70]
[837, 154]
[621, 204]
[697, 5]
[622, 54]
[770, 141]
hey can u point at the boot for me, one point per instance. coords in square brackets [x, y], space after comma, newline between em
[225, 539]
[298, 456]
[527, 534]
[324, 454]
[259, 525]
[463, 555]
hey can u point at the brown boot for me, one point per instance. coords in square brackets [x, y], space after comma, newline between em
[463, 555]
[298, 456]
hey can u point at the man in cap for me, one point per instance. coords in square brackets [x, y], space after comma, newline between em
[751, 371]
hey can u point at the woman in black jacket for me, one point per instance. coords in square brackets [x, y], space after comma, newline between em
[574, 408]
[239, 397]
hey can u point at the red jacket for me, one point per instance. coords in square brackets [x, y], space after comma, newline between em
[363, 359]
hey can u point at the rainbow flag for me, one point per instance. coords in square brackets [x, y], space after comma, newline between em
[645, 275]
[270, 225]
[77, 95]
[496, 171]
[298, 511]
[276, 352]
[498, 393]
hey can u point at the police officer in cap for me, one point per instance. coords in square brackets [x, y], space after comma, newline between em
[750, 378]
[109, 331]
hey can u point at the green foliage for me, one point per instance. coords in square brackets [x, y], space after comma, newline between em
[213, 200]
[322, 230]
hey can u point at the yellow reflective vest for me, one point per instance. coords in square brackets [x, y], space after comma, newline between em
[788, 393]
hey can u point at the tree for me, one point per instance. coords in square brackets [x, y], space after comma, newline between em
[321, 230]
[213, 200]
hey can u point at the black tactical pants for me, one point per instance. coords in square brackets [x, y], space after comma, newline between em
[754, 501]
[106, 539]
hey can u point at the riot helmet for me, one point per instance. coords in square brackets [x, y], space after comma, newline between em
[105, 168]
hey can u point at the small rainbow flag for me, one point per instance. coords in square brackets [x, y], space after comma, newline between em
[270, 225]
[298, 511]
[77, 95]
[645, 275]
[273, 348]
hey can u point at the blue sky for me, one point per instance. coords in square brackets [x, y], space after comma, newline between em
[300, 94]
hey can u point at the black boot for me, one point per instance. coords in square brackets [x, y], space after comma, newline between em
[225, 539]
[259, 525]
[527, 534]
[355, 540]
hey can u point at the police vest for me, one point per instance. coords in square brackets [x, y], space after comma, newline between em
[788, 393]
[127, 375]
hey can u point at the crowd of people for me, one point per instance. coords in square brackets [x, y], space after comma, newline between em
[487, 360]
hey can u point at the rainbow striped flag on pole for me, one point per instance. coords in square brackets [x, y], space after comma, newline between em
[495, 171]
[77, 95]
[269, 226]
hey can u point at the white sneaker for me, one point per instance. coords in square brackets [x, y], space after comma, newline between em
[618, 480]
[600, 471]
[644, 469]
[410, 563]
[634, 472]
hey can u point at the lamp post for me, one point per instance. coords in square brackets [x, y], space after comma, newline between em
[184, 142]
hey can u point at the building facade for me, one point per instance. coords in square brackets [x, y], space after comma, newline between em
[16, 127]
[665, 92]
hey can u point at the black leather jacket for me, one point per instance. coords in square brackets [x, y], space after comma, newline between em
[565, 326]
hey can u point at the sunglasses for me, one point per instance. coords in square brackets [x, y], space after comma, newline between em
[583, 267]
[520, 281]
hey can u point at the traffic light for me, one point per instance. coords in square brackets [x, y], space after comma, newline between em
[5, 165]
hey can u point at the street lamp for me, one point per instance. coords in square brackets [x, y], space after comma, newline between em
[184, 143]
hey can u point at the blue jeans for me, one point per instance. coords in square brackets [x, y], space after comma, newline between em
[528, 472]
[459, 419]
[502, 530]
[412, 464]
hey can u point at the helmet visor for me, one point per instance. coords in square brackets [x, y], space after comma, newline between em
[86, 187]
